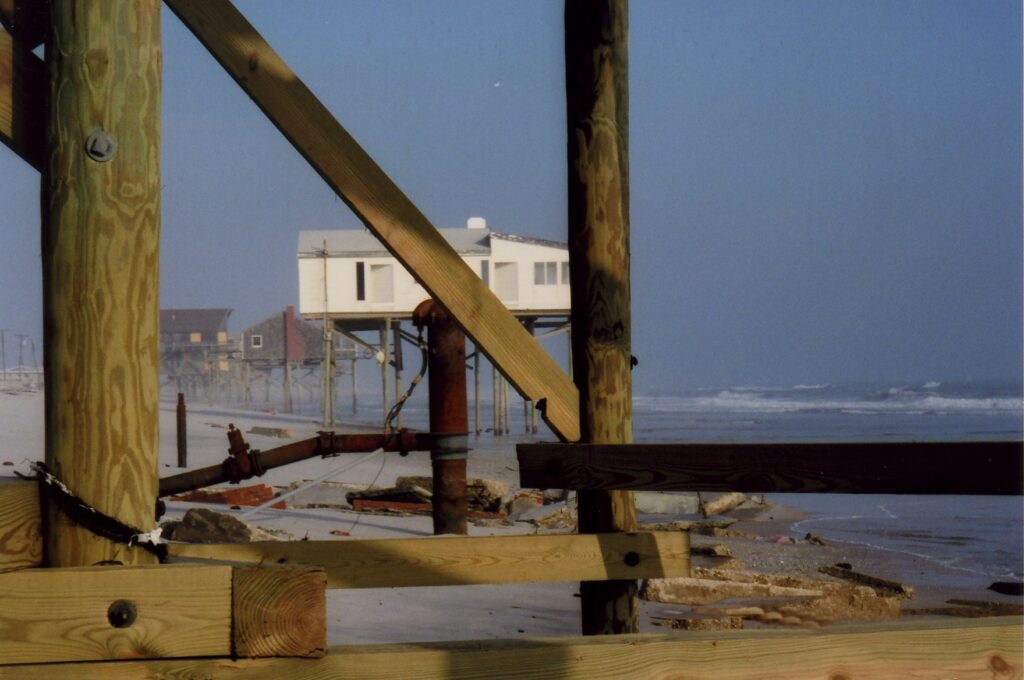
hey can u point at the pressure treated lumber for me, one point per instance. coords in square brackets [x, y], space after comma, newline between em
[597, 106]
[21, 539]
[53, 615]
[451, 561]
[980, 649]
[279, 611]
[22, 100]
[382, 206]
[941, 468]
[101, 231]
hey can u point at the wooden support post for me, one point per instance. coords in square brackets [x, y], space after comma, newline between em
[182, 431]
[101, 232]
[96, 613]
[22, 98]
[495, 402]
[597, 105]
[21, 539]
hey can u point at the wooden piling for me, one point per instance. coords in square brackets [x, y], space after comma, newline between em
[100, 248]
[597, 106]
[182, 431]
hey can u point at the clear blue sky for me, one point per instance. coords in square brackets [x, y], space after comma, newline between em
[821, 191]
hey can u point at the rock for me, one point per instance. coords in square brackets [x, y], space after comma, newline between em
[722, 503]
[665, 503]
[519, 506]
[696, 591]
[883, 586]
[1008, 588]
[726, 623]
[711, 550]
[279, 432]
[201, 525]
[815, 539]
[484, 495]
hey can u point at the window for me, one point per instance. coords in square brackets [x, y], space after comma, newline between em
[545, 273]
[195, 338]
[382, 285]
[506, 281]
[485, 272]
[256, 341]
[222, 337]
[565, 273]
[360, 281]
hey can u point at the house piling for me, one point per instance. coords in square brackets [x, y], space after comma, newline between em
[597, 105]
[101, 231]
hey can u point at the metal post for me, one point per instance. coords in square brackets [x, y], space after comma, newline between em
[476, 388]
[383, 358]
[446, 370]
[182, 432]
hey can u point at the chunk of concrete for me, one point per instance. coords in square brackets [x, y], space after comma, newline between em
[666, 503]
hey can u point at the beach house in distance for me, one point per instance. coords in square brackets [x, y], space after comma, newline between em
[348, 279]
[350, 275]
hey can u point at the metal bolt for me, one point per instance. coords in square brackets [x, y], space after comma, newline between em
[631, 559]
[100, 145]
[122, 614]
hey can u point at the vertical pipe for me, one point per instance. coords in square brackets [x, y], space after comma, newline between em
[446, 380]
[506, 409]
[182, 432]
[385, 354]
[355, 402]
[596, 57]
[101, 258]
[476, 388]
[396, 337]
[495, 402]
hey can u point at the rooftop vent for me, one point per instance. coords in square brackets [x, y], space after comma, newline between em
[476, 223]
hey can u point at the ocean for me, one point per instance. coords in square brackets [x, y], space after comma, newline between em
[979, 536]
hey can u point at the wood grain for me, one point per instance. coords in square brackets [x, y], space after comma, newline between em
[53, 615]
[382, 207]
[279, 611]
[21, 539]
[597, 106]
[448, 561]
[101, 230]
[888, 468]
[22, 100]
[982, 649]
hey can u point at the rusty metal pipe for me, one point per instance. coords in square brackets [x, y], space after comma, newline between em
[449, 420]
[233, 469]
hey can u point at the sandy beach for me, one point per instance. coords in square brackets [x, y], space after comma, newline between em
[759, 539]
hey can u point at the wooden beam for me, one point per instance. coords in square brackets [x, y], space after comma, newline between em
[888, 468]
[96, 613]
[979, 649]
[22, 100]
[382, 207]
[452, 561]
[597, 104]
[21, 538]
[53, 615]
[279, 611]
[101, 257]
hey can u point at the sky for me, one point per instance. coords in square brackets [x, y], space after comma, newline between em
[822, 191]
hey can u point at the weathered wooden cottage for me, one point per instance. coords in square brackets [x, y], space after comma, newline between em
[194, 342]
[350, 275]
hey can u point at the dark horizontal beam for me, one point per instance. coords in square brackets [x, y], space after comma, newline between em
[982, 468]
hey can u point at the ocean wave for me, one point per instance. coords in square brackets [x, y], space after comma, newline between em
[734, 401]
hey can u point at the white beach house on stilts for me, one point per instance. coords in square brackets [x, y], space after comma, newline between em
[351, 282]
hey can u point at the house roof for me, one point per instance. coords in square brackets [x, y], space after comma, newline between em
[193, 320]
[361, 243]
